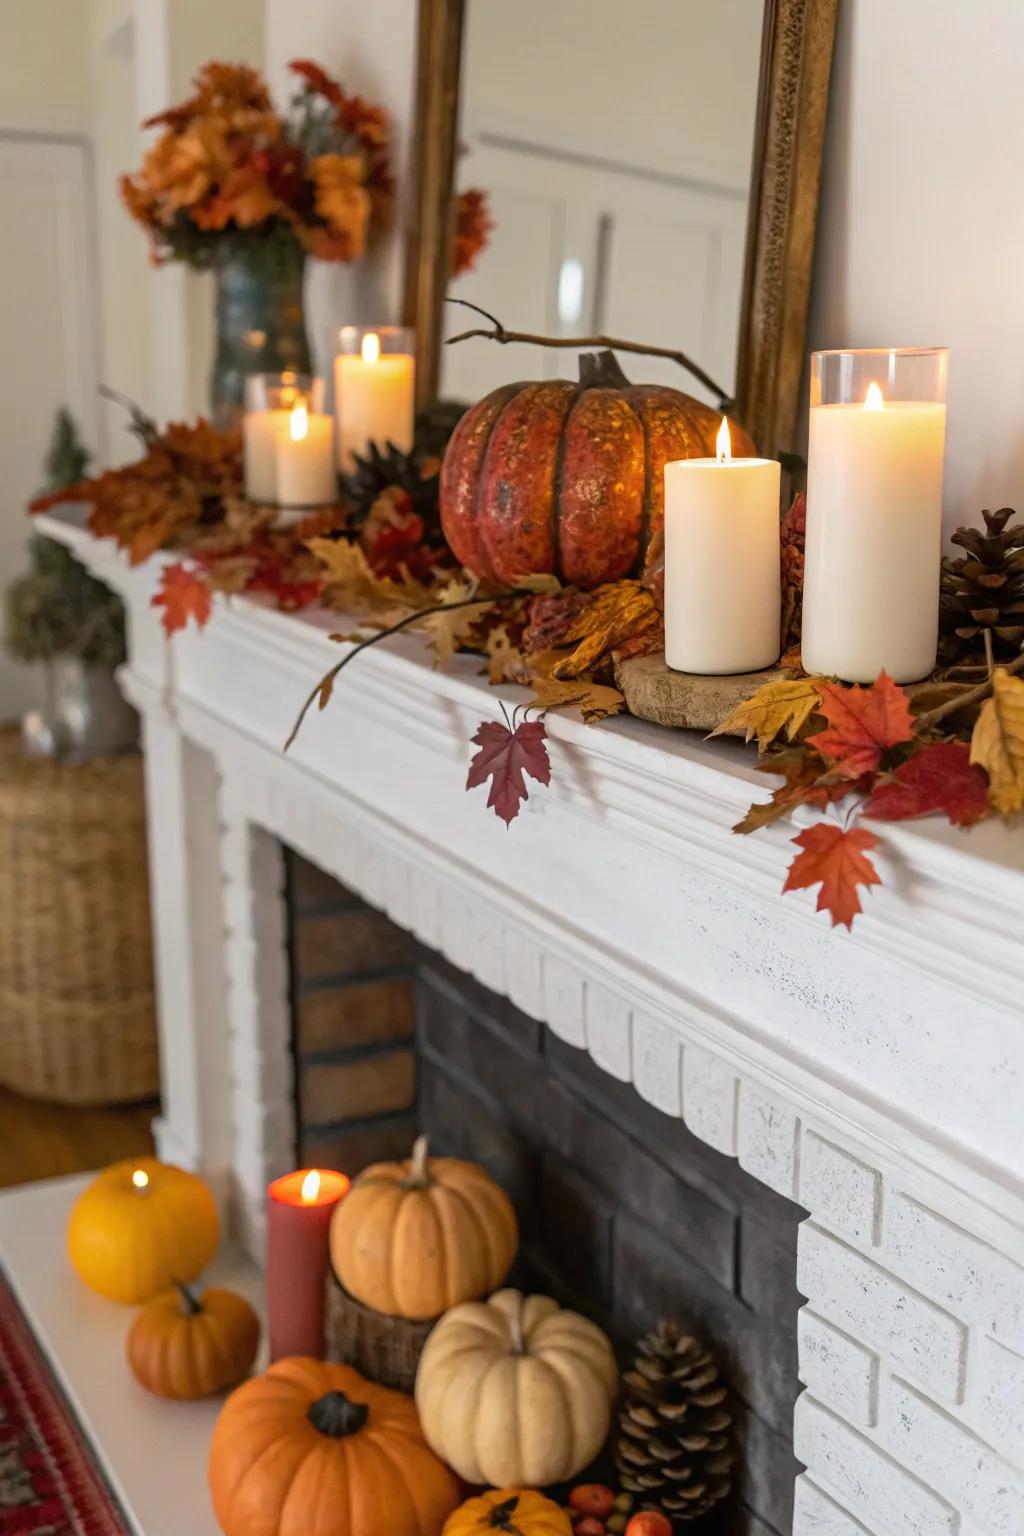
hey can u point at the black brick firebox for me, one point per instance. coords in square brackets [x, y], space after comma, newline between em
[624, 1214]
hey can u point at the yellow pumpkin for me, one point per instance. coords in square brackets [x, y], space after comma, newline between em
[184, 1346]
[512, 1511]
[514, 1392]
[139, 1228]
[312, 1449]
[415, 1238]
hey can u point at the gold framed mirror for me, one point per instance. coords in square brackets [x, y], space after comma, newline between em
[787, 115]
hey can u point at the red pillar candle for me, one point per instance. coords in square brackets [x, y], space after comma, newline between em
[299, 1210]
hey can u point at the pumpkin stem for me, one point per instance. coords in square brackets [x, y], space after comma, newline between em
[336, 1415]
[190, 1303]
[419, 1173]
[500, 1518]
[601, 370]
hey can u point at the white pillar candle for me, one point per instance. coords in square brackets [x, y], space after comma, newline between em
[874, 538]
[304, 470]
[374, 395]
[261, 433]
[723, 601]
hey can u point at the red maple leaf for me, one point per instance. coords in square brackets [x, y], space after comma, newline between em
[865, 722]
[183, 595]
[940, 777]
[504, 757]
[838, 861]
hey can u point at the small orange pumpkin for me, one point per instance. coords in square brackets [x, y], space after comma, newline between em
[510, 1511]
[141, 1227]
[415, 1238]
[184, 1346]
[313, 1449]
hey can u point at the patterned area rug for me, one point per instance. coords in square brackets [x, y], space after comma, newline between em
[49, 1483]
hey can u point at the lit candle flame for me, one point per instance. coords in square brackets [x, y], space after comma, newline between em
[371, 347]
[140, 1178]
[311, 1186]
[723, 443]
[298, 422]
[874, 400]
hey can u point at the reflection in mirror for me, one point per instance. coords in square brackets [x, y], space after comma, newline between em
[614, 145]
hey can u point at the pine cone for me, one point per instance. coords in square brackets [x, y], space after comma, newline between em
[390, 468]
[983, 590]
[673, 1448]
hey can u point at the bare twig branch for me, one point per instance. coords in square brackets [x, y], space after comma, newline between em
[503, 337]
[972, 696]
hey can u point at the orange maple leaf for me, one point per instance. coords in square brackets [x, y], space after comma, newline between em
[838, 861]
[183, 595]
[865, 723]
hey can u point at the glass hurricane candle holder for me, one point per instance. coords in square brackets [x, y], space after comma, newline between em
[288, 440]
[874, 513]
[374, 390]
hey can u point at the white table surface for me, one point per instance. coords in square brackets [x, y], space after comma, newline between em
[154, 1453]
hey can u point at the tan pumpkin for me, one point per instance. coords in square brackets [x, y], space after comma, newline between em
[312, 1449]
[186, 1347]
[569, 478]
[511, 1511]
[516, 1392]
[415, 1238]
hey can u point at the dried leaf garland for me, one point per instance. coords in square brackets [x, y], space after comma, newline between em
[940, 777]
[594, 701]
[997, 744]
[863, 724]
[835, 859]
[183, 595]
[624, 611]
[777, 707]
[505, 756]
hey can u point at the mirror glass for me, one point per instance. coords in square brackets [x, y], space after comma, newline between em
[614, 144]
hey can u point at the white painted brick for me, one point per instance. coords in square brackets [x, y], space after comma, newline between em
[426, 909]
[563, 1000]
[768, 1137]
[865, 1479]
[814, 1514]
[456, 935]
[658, 1064]
[944, 1452]
[609, 1028]
[487, 947]
[954, 1267]
[838, 1370]
[523, 972]
[842, 1191]
[877, 1307]
[1000, 1398]
[710, 1095]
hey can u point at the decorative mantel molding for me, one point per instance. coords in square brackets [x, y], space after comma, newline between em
[875, 1077]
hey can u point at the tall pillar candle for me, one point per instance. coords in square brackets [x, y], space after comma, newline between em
[722, 587]
[299, 1210]
[374, 390]
[874, 513]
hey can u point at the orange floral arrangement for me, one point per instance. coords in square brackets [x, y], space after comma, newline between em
[473, 229]
[229, 166]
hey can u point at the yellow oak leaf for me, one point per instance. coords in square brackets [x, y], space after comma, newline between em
[620, 613]
[349, 582]
[997, 744]
[450, 631]
[594, 701]
[783, 706]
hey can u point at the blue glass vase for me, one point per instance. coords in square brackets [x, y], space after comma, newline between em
[261, 325]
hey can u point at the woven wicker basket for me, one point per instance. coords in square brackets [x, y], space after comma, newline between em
[385, 1349]
[77, 1016]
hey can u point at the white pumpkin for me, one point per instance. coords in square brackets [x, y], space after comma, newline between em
[515, 1392]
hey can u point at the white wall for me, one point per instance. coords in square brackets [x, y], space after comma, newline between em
[921, 235]
[44, 70]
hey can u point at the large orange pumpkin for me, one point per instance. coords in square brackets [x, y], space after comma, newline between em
[569, 478]
[415, 1238]
[311, 1449]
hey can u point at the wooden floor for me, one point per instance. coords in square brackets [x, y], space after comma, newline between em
[41, 1141]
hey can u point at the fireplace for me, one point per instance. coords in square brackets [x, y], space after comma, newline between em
[624, 1213]
[873, 1080]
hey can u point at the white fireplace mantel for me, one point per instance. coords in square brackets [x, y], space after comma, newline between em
[876, 1077]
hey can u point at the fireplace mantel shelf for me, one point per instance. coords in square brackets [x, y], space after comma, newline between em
[874, 1077]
